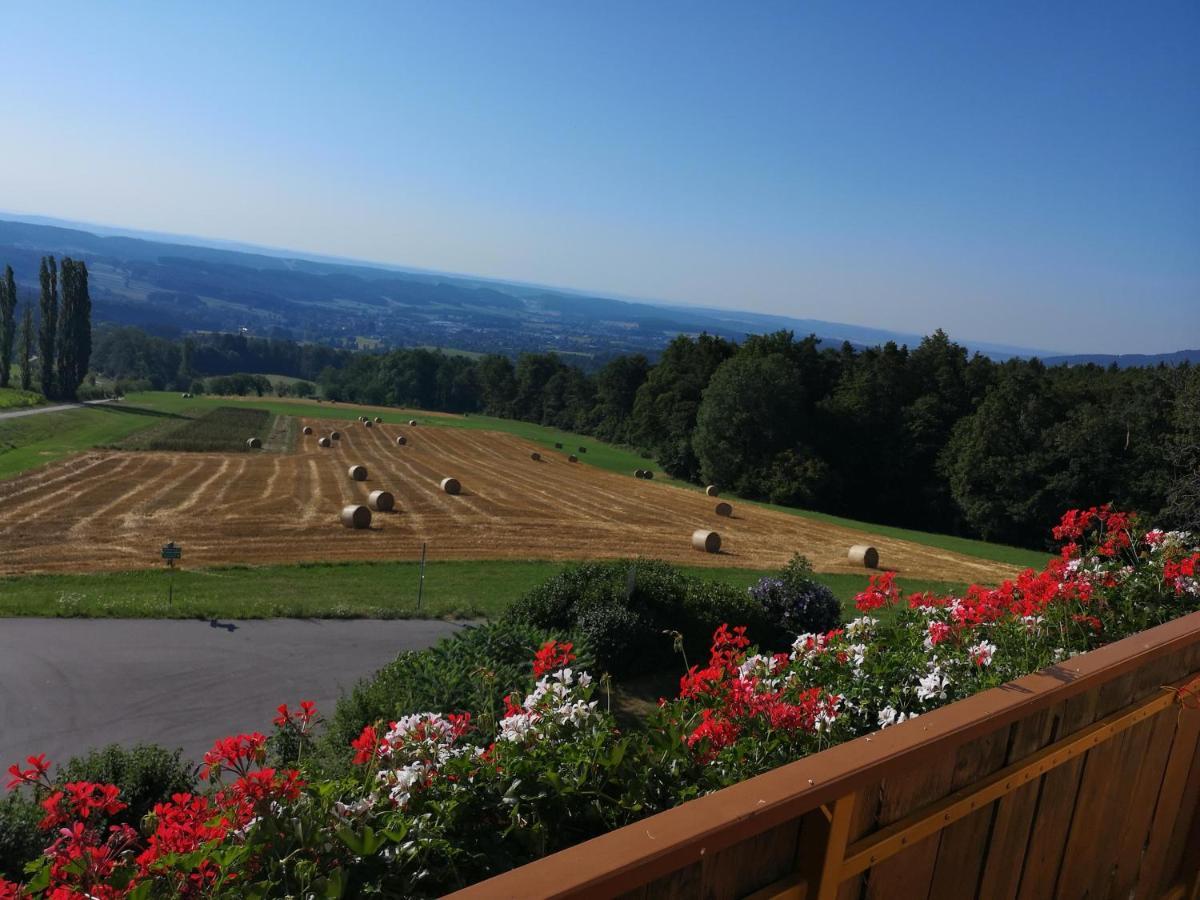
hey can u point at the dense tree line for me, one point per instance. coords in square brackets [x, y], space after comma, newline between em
[129, 353]
[927, 437]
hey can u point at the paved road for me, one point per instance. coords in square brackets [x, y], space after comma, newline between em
[70, 684]
[38, 410]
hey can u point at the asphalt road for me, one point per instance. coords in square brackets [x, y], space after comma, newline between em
[67, 685]
[38, 410]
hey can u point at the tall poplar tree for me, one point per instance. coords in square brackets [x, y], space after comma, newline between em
[8, 323]
[27, 348]
[48, 328]
[75, 328]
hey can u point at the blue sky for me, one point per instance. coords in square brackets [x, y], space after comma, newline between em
[1017, 172]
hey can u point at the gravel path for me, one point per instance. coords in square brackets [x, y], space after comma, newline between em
[58, 407]
[67, 685]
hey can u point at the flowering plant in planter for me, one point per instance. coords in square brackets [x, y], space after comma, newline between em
[438, 799]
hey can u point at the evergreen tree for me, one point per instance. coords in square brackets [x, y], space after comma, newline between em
[8, 323]
[75, 328]
[27, 348]
[48, 328]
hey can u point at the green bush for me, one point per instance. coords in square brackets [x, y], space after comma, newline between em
[146, 774]
[470, 671]
[20, 840]
[629, 630]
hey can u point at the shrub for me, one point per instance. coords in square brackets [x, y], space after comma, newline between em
[795, 603]
[629, 629]
[468, 672]
[20, 839]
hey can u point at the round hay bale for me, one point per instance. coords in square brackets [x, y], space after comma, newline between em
[724, 509]
[308, 429]
[324, 442]
[862, 555]
[184, 396]
[535, 456]
[583, 449]
[712, 491]
[572, 458]
[253, 443]
[379, 420]
[401, 440]
[412, 421]
[451, 485]
[648, 475]
[558, 445]
[355, 516]
[335, 435]
[707, 541]
[367, 424]
[357, 473]
[381, 501]
[639, 473]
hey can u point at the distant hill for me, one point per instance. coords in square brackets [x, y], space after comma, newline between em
[174, 285]
[1126, 360]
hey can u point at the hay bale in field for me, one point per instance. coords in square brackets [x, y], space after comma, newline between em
[535, 456]
[381, 501]
[862, 555]
[558, 445]
[648, 475]
[707, 541]
[412, 421]
[451, 485]
[712, 491]
[379, 420]
[355, 516]
[253, 443]
[724, 509]
[583, 449]
[367, 424]
[357, 473]
[572, 458]
[401, 440]
[335, 435]
[308, 429]
[639, 473]
[324, 442]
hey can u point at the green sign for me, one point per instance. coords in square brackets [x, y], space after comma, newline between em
[170, 551]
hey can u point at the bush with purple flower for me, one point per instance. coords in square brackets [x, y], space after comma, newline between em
[795, 602]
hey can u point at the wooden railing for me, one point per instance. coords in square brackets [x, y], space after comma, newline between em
[1082, 780]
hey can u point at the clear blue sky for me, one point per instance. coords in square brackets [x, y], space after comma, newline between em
[1017, 172]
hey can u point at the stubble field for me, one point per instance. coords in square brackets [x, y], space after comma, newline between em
[112, 510]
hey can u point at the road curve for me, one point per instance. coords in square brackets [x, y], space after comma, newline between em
[67, 685]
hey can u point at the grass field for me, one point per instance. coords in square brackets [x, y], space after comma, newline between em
[221, 430]
[15, 398]
[30, 441]
[339, 590]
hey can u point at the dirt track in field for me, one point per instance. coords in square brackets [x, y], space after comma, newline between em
[114, 510]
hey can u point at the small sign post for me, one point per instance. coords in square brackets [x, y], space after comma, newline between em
[171, 552]
[421, 583]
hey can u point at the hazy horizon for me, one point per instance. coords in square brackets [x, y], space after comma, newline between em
[1020, 175]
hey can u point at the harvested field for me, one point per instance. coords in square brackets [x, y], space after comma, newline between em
[111, 510]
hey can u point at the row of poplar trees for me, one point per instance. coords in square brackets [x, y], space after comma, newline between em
[64, 334]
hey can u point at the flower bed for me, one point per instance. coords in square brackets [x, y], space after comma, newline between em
[438, 800]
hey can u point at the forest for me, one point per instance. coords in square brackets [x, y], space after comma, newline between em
[927, 437]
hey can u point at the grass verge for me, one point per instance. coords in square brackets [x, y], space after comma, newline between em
[387, 590]
[14, 398]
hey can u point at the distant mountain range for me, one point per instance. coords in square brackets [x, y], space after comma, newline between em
[172, 285]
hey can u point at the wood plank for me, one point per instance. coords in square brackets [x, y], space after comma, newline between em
[1056, 802]
[1106, 791]
[744, 868]
[1127, 858]
[909, 873]
[962, 847]
[1013, 818]
[1183, 854]
[866, 810]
